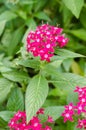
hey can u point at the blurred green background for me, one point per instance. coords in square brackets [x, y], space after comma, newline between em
[17, 16]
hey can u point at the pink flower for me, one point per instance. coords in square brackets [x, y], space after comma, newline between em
[40, 111]
[78, 89]
[67, 115]
[62, 41]
[44, 39]
[70, 107]
[47, 128]
[81, 91]
[68, 112]
[81, 124]
[50, 119]
[78, 110]
[18, 122]
[82, 99]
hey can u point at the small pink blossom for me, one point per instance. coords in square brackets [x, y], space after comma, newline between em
[47, 128]
[18, 122]
[70, 107]
[81, 123]
[78, 110]
[68, 115]
[40, 111]
[50, 119]
[78, 89]
[43, 41]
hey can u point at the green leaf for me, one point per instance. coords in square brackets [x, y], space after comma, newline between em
[72, 97]
[32, 26]
[16, 37]
[42, 15]
[16, 100]
[65, 80]
[39, 5]
[7, 16]
[65, 54]
[4, 68]
[74, 6]
[30, 22]
[56, 63]
[29, 63]
[83, 17]
[3, 123]
[6, 38]
[79, 33]
[71, 125]
[28, 2]
[6, 115]
[15, 75]
[67, 16]
[5, 88]
[76, 68]
[69, 81]
[54, 111]
[2, 26]
[67, 64]
[22, 14]
[48, 102]
[36, 94]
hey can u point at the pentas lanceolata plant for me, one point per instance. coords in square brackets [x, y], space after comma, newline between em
[78, 110]
[43, 41]
[18, 122]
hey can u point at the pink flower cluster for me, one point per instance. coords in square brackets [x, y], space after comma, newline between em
[44, 39]
[18, 122]
[79, 110]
